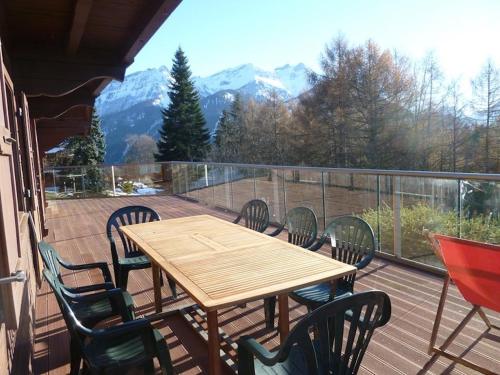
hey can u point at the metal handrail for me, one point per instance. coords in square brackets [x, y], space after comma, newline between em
[375, 172]
[358, 171]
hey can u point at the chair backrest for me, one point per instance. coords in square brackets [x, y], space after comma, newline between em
[353, 242]
[127, 216]
[255, 214]
[49, 257]
[302, 226]
[474, 267]
[343, 328]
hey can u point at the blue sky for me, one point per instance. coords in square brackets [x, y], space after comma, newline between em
[217, 34]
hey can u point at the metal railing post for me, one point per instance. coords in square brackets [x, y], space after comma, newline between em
[284, 189]
[113, 180]
[231, 188]
[254, 185]
[323, 199]
[379, 236]
[396, 211]
[459, 209]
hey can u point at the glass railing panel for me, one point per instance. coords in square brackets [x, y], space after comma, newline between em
[269, 186]
[205, 189]
[351, 194]
[222, 187]
[382, 219]
[243, 186]
[177, 187]
[480, 211]
[139, 179]
[424, 203]
[303, 188]
[63, 182]
[194, 180]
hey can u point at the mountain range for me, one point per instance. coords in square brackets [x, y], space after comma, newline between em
[134, 105]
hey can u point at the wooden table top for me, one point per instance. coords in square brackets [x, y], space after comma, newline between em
[221, 264]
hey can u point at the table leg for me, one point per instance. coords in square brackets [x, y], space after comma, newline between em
[156, 286]
[214, 367]
[283, 319]
[333, 287]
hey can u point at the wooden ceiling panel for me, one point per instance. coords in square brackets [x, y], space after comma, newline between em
[62, 53]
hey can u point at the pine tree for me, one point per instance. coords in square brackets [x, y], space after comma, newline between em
[89, 151]
[183, 135]
[229, 134]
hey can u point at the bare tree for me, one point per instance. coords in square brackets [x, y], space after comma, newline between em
[140, 149]
[486, 103]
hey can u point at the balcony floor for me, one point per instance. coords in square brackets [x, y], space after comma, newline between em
[77, 230]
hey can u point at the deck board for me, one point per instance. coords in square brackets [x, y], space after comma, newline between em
[77, 230]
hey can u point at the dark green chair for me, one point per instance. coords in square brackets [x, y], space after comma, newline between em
[133, 258]
[112, 350]
[90, 303]
[302, 226]
[352, 242]
[255, 214]
[343, 329]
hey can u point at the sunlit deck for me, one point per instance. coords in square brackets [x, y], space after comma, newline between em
[77, 230]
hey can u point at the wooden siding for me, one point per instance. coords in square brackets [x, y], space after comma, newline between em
[77, 230]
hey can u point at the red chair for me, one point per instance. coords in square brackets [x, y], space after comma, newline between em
[474, 267]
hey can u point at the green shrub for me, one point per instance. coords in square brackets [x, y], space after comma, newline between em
[128, 187]
[416, 218]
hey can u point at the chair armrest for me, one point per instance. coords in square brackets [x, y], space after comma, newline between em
[308, 243]
[319, 243]
[365, 261]
[116, 299]
[90, 288]
[103, 266]
[248, 345]
[277, 231]
[132, 327]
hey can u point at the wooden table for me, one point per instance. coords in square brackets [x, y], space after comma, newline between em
[221, 264]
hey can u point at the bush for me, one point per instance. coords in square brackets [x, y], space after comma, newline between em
[128, 187]
[415, 219]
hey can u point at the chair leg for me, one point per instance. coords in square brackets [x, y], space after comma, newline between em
[439, 314]
[269, 311]
[75, 358]
[173, 287]
[149, 367]
[123, 279]
[486, 320]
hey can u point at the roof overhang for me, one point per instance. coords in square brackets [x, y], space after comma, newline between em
[63, 53]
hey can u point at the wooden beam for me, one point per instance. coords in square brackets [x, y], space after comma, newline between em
[47, 107]
[145, 30]
[80, 17]
[55, 76]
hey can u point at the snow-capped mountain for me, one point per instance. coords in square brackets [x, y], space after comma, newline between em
[290, 80]
[133, 106]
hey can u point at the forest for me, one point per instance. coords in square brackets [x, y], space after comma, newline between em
[370, 108]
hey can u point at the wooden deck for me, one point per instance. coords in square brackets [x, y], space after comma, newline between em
[77, 230]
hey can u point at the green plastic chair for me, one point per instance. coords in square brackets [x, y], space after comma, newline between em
[343, 329]
[112, 350]
[105, 302]
[134, 259]
[302, 226]
[353, 242]
[255, 215]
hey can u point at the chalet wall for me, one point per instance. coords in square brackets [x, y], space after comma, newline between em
[21, 336]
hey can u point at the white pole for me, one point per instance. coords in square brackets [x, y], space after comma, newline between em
[206, 175]
[113, 179]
